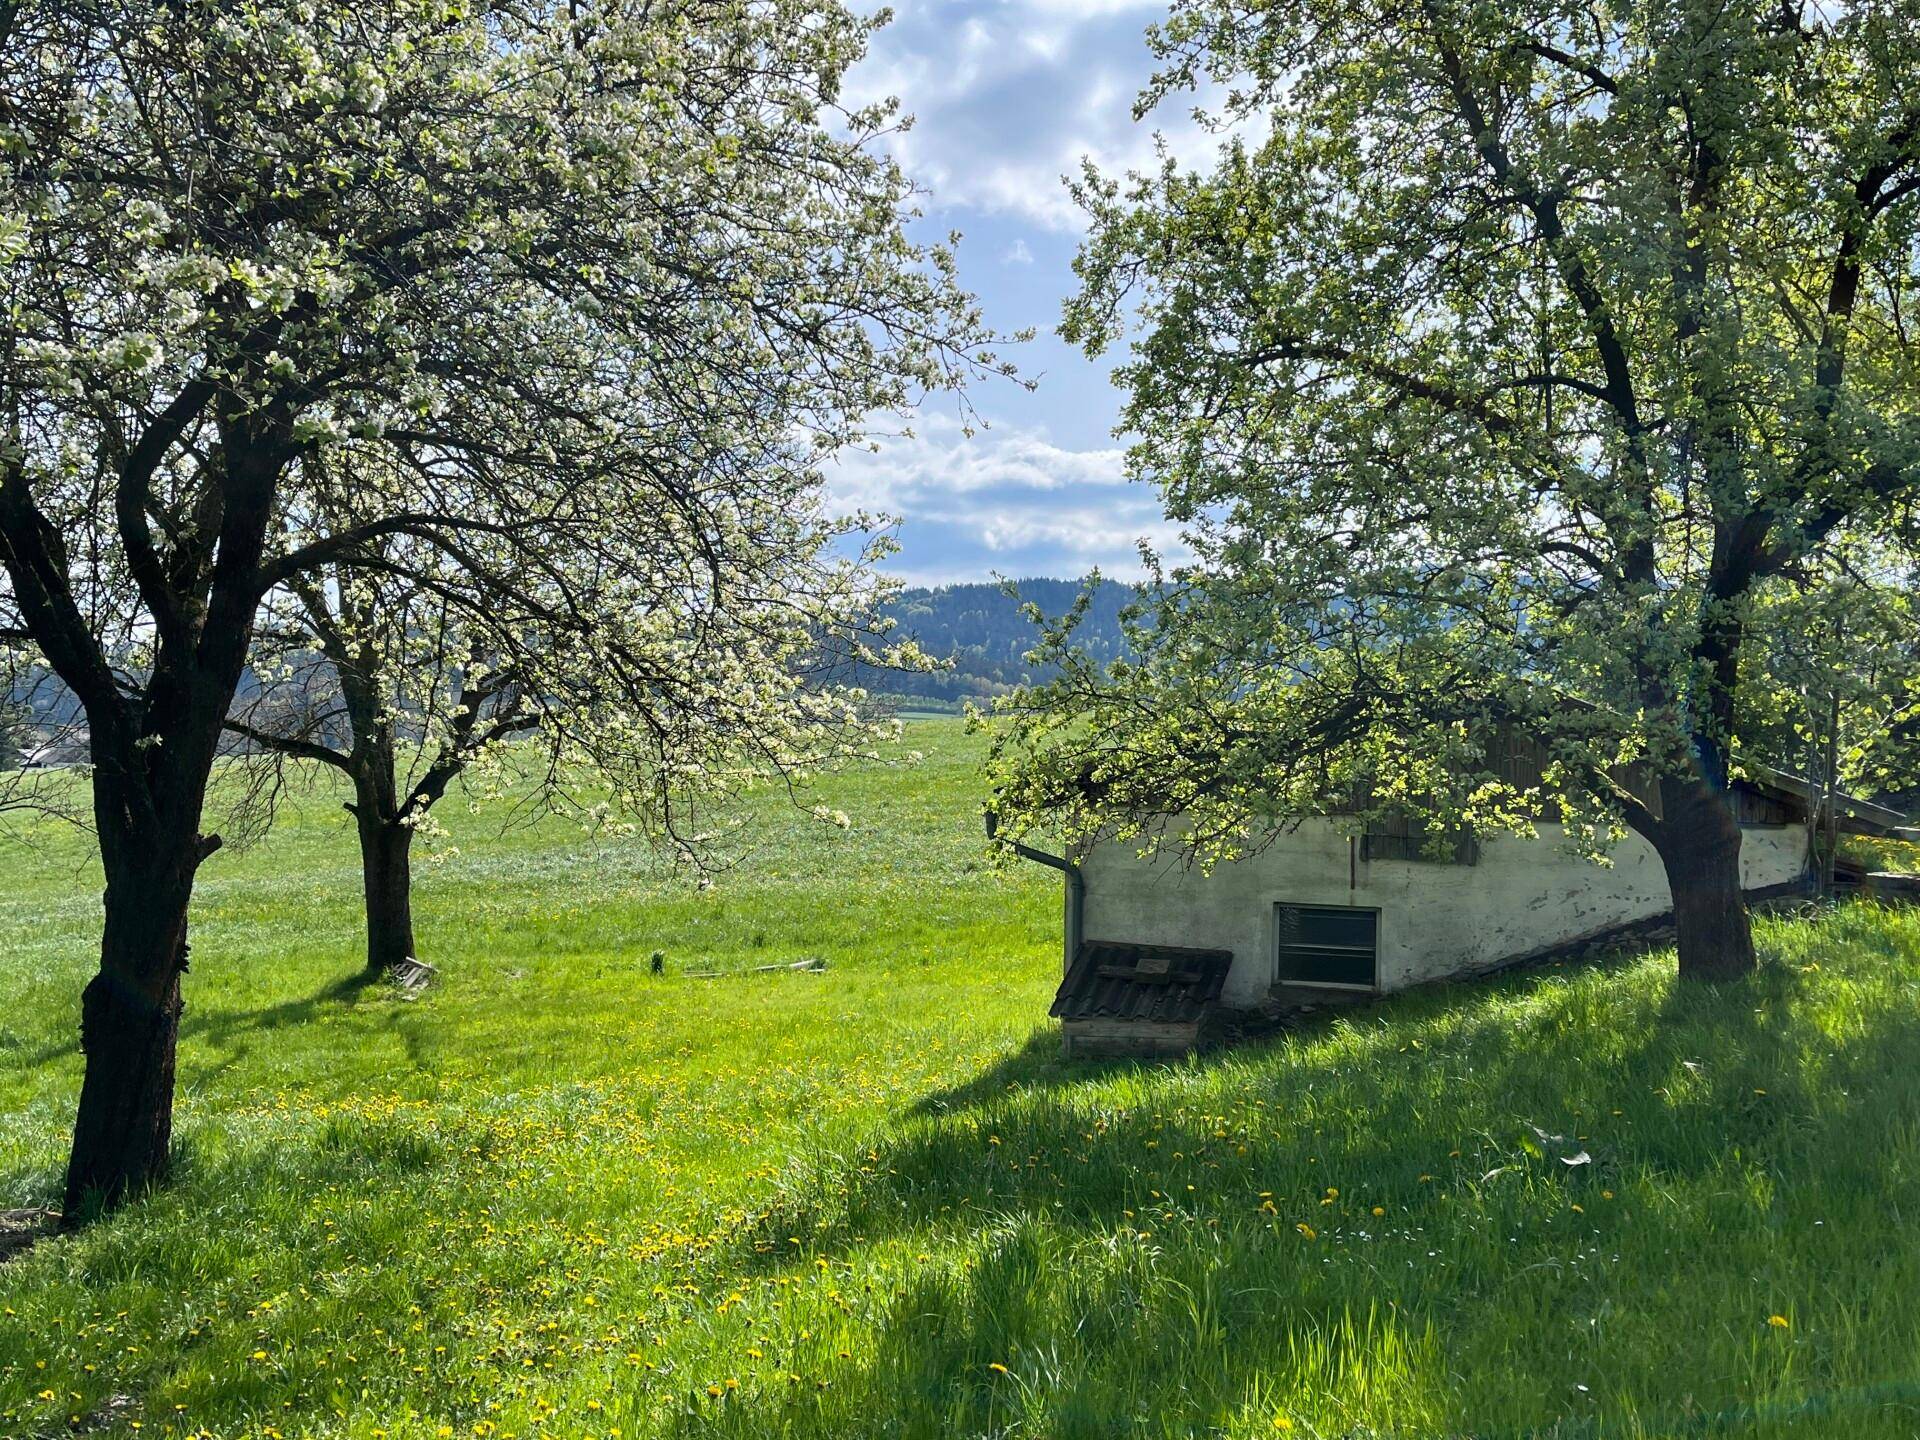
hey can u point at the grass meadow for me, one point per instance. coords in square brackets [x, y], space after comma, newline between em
[556, 1196]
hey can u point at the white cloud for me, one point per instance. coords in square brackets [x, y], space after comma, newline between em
[940, 458]
[1006, 499]
[1010, 98]
[1086, 9]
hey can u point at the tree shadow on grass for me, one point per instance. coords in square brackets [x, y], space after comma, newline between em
[1037, 1064]
[223, 1035]
[221, 1027]
[1497, 1206]
[22, 1229]
[214, 1044]
[1040, 1064]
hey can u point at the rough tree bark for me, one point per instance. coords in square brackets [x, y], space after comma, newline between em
[130, 1010]
[1698, 836]
[129, 1025]
[386, 874]
[1699, 844]
[152, 762]
[380, 815]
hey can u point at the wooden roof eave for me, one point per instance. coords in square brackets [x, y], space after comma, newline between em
[1855, 816]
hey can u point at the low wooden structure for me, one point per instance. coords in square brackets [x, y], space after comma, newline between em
[1121, 999]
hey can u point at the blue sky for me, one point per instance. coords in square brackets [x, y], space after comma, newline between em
[1008, 98]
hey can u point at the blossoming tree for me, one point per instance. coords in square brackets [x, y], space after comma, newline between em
[502, 247]
[639, 681]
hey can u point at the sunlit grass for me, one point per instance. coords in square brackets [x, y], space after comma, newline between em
[558, 1197]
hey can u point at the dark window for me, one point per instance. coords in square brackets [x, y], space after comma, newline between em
[1753, 808]
[1398, 837]
[1327, 945]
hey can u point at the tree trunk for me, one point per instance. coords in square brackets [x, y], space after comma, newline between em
[386, 870]
[1701, 851]
[129, 1024]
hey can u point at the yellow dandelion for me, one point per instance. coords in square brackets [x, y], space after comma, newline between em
[1778, 1322]
[1281, 1422]
[1379, 1210]
[1306, 1230]
[997, 1368]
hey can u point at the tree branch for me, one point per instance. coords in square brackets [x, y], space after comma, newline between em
[287, 744]
[133, 490]
[1585, 68]
[1435, 392]
[421, 524]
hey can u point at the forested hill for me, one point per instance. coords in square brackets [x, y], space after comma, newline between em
[978, 628]
[981, 632]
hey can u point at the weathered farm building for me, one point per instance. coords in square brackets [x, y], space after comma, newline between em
[1329, 910]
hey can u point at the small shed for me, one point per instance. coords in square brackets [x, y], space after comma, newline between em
[1130, 999]
[1337, 909]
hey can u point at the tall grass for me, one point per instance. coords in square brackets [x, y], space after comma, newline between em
[558, 1197]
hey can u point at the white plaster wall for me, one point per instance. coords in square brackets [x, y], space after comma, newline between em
[1435, 919]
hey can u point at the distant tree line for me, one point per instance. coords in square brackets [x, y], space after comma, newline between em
[979, 637]
[982, 634]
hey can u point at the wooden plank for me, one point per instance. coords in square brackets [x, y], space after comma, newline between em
[1149, 977]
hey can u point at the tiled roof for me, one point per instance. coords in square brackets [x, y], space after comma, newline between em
[1170, 984]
